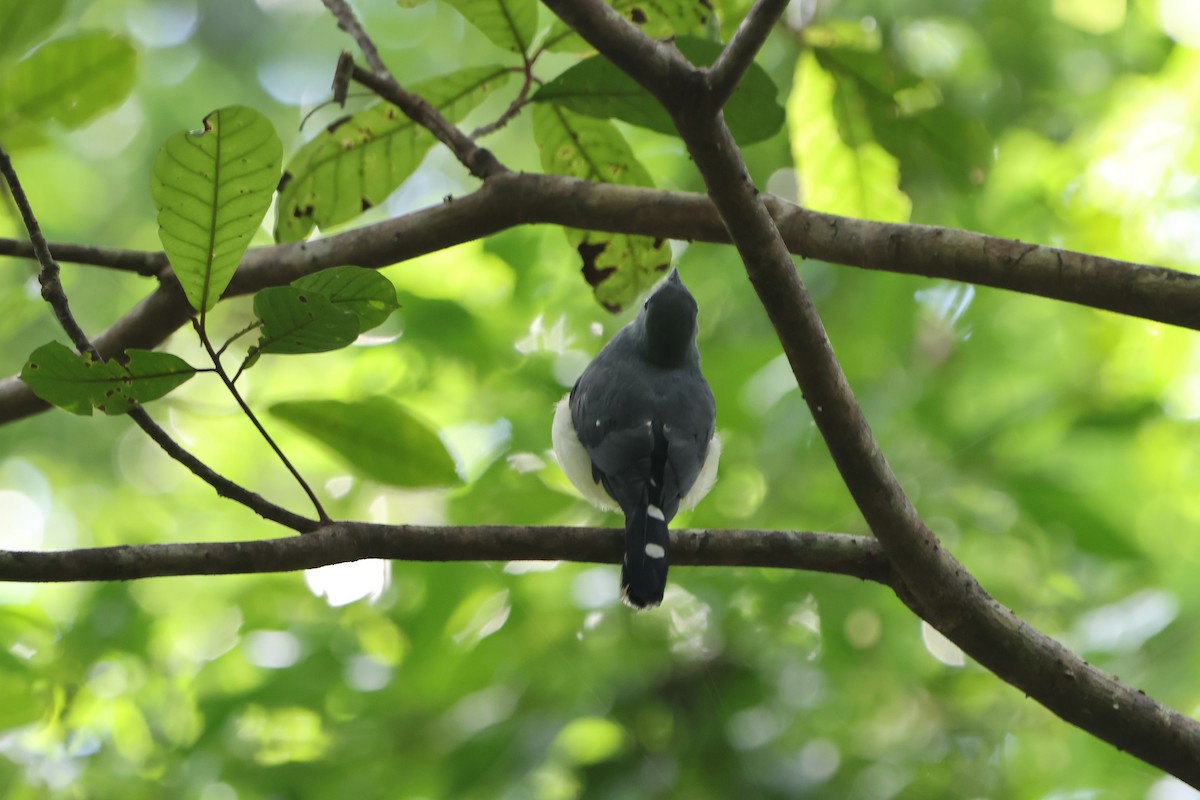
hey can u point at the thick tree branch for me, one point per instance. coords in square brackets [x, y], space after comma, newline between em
[52, 292]
[738, 55]
[338, 542]
[513, 199]
[943, 591]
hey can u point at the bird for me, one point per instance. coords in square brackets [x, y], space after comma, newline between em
[636, 433]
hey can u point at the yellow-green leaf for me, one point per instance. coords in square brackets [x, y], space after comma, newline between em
[618, 266]
[70, 80]
[356, 162]
[212, 188]
[841, 170]
[511, 24]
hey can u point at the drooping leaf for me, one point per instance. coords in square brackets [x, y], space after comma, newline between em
[23, 24]
[377, 437]
[70, 80]
[658, 19]
[906, 114]
[511, 24]
[363, 292]
[842, 169]
[298, 320]
[78, 384]
[356, 162]
[618, 266]
[598, 88]
[212, 188]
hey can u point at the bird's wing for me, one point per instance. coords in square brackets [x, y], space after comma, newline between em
[613, 413]
[688, 434]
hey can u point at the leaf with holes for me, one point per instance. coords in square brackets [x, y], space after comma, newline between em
[659, 19]
[598, 88]
[212, 188]
[356, 162]
[69, 80]
[618, 266]
[78, 384]
[363, 292]
[378, 437]
[510, 24]
[296, 320]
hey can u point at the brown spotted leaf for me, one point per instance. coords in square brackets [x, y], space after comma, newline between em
[78, 384]
[618, 266]
[357, 161]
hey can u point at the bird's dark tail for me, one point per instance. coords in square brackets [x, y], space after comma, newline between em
[644, 571]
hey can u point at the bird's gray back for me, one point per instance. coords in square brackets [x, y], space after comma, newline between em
[619, 408]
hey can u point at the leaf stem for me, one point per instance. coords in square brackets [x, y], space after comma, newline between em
[229, 384]
[252, 326]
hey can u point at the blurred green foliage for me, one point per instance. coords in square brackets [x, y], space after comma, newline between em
[1053, 448]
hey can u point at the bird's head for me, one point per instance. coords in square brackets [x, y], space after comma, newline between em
[667, 323]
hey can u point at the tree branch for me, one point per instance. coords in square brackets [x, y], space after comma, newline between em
[942, 590]
[52, 292]
[513, 199]
[727, 71]
[338, 542]
[480, 161]
[349, 23]
[142, 262]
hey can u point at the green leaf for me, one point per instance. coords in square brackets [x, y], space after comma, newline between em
[618, 266]
[510, 24]
[23, 703]
[70, 80]
[23, 24]
[377, 437]
[1060, 509]
[212, 188]
[356, 162]
[363, 292]
[597, 88]
[78, 384]
[906, 114]
[296, 320]
[842, 169]
[589, 740]
[659, 19]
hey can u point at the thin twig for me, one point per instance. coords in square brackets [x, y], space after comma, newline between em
[855, 556]
[142, 262]
[52, 291]
[478, 160]
[252, 326]
[229, 384]
[349, 23]
[738, 55]
[514, 108]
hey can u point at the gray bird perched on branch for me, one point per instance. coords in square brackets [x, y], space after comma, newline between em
[636, 433]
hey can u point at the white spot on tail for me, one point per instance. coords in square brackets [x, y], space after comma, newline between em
[656, 512]
[655, 550]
